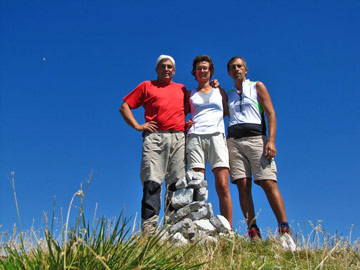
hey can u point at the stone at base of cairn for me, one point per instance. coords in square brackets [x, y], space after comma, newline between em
[193, 218]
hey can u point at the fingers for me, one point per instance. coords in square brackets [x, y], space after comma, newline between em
[189, 124]
[270, 152]
[215, 83]
[148, 126]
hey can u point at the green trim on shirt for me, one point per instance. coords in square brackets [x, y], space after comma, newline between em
[257, 104]
[259, 107]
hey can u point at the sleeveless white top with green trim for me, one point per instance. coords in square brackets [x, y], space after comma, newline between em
[246, 113]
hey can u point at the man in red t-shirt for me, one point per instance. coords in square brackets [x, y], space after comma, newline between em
[163, 151]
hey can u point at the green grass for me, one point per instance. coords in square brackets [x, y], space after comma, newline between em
[116, 245]
[99, 249]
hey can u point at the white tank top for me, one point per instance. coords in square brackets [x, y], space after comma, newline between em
[207, 112]
[245, 108]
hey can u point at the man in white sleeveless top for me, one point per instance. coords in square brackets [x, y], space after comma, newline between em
[251, 152]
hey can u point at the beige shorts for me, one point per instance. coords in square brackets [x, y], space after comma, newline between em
[247, 157]
[207, 147]
[163, 156]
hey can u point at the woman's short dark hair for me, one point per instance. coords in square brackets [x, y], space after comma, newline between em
[202, 58]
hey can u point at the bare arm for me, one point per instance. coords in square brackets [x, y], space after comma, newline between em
[225, 102]
[265, 101]
[215, 83]
[189, 122]
[129, 118]
[187, 102]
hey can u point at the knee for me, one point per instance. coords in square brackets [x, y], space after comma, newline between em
[222, 186]
[222, 179]
[244, 185]
[151, 201]
[268, 185]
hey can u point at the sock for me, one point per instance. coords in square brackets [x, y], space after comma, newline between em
[284, 225]
[253, 226]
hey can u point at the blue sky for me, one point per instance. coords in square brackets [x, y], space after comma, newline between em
[66, 65]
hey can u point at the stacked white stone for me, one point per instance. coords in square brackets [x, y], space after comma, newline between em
[193, 217]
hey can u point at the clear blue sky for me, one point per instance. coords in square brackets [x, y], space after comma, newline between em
[66, 65]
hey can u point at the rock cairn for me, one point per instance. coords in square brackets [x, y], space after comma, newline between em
[193, 218]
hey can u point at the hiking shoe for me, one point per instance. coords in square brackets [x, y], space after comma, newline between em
[286, 238]
[148, 226]
[254, 233]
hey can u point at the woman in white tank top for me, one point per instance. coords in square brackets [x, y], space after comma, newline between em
[206, 136]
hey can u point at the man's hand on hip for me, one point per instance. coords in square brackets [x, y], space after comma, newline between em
[148, 126]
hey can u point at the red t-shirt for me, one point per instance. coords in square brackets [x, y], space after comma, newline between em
[162, 103]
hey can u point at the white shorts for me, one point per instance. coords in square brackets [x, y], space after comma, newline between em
[201, 148]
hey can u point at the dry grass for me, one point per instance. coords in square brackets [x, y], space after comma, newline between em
[116, 245]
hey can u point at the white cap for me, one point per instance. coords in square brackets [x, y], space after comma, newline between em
[162, 57]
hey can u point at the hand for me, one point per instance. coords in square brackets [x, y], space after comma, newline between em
[148, 126]
[215, 83]
[270, 150]
[189, 124]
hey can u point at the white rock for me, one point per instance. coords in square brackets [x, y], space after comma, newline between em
[190, 233]
[201, 194]
[181, 183]
[230, 234]
[210, 211]
[164, 236]
[197, 183]
[179, 240]
[186, 210]
[203, 237]
[199, 235]
[205, 225]
[182, 197]
[185, 223]
[192, 175]
[221, 223]
[199, 214]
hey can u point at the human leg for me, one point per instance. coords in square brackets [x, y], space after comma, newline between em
[244, 186]
[218, 156]
[275, 199]
[154, 157]
[175, 168]
[222, 188]
[277, 204]
[247, 206]
[150, 206]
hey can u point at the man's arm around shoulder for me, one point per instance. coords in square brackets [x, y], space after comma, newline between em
[225, 102]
